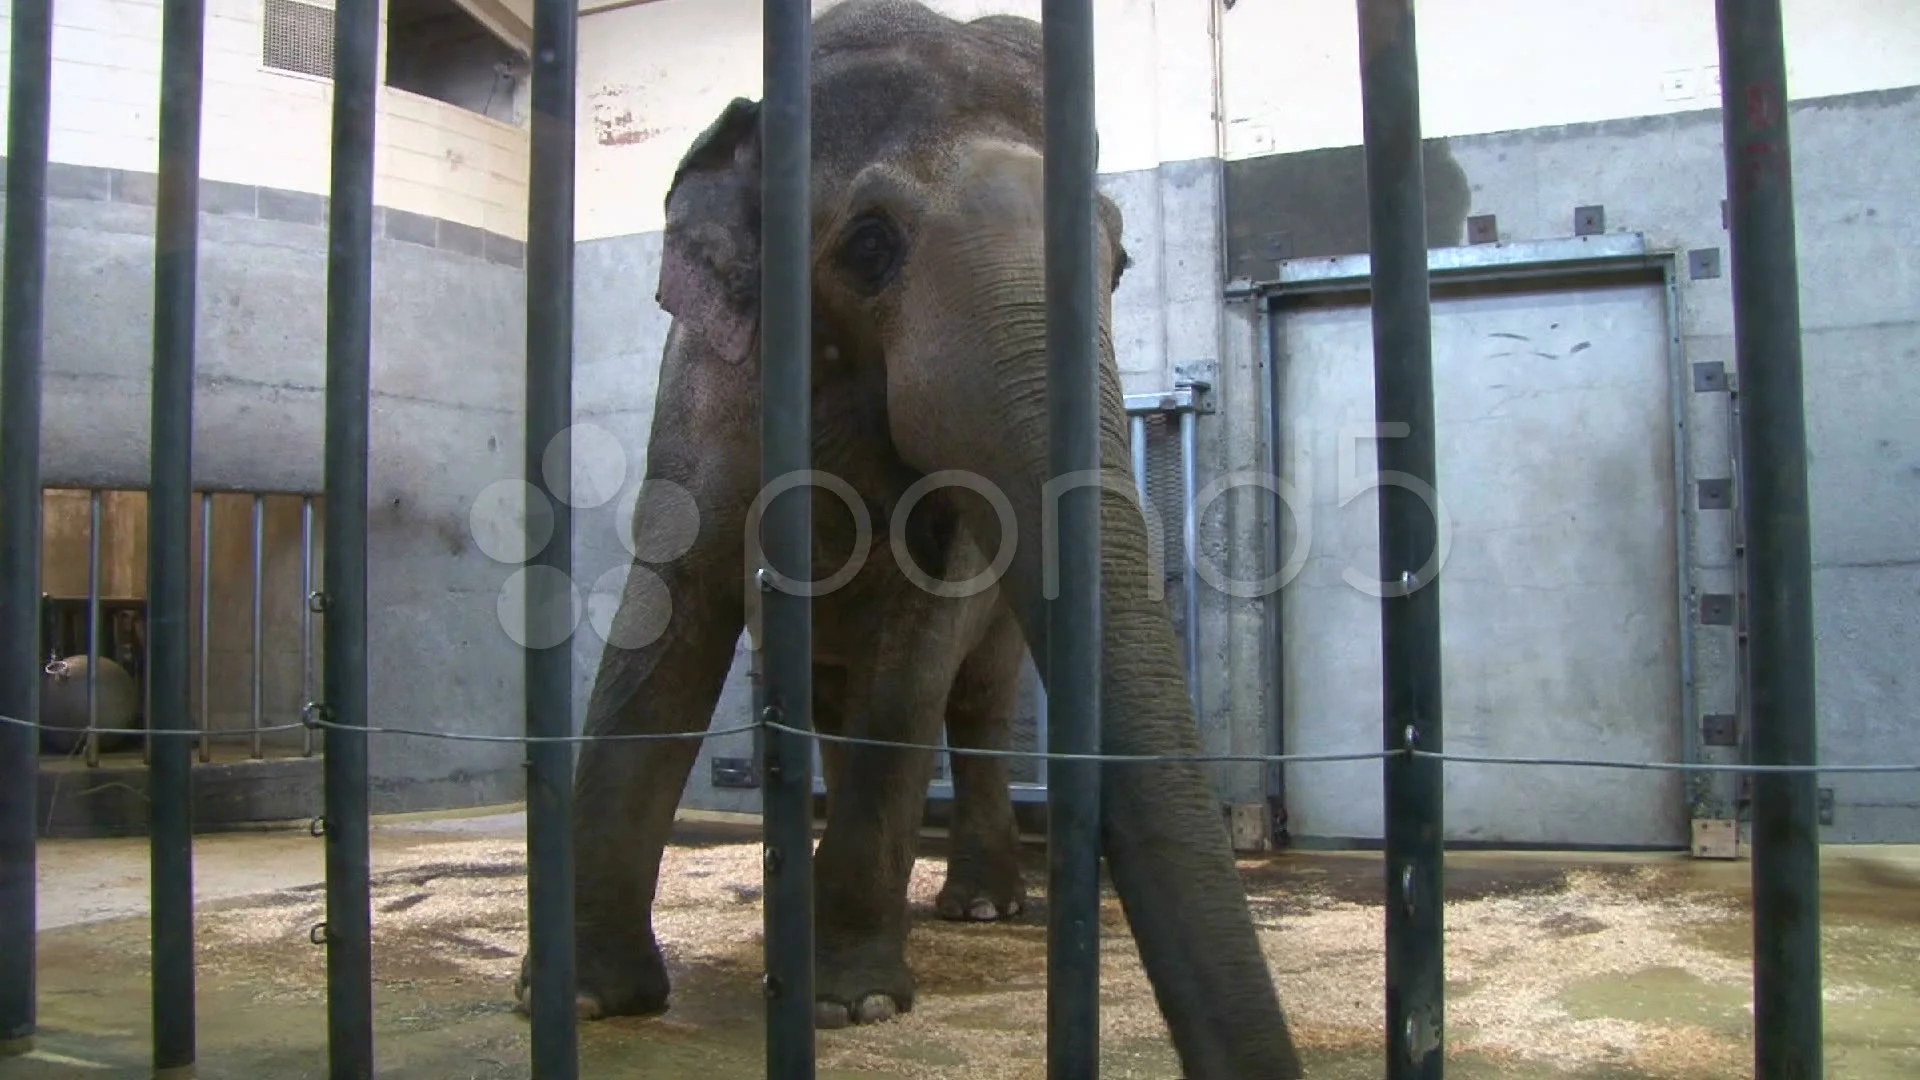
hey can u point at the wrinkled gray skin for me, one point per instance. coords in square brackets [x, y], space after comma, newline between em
[929, 355]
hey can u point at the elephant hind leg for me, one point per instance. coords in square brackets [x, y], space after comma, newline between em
[984, 882]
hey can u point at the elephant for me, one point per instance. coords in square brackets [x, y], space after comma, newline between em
[929, 361]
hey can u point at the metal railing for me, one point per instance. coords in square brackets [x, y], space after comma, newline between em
[1786, 923]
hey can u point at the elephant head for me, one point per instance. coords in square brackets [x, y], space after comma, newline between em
[928, 273]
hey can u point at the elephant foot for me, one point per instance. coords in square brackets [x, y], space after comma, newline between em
[970, 897]
[613, 979]
[865, 984]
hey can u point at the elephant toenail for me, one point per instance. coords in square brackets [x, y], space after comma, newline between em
[984, 911]
[829, 1014]
[586, 1006]
[873, 1009]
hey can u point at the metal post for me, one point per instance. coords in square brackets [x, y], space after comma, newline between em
[306, 618]
[1190, 551]
[349, 927]
[1073, 616]
[93, 626]
[1774, 503]
[206, 625]
[170, 534]
[1137, 426]
[549, 669]
[1410, 609]
[25, 277]
[259, 610]
[786, 529]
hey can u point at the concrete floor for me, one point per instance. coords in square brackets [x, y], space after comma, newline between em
[1600, 968]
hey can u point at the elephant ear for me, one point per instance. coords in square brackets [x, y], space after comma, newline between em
[710, 257]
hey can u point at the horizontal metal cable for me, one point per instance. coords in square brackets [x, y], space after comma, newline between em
[1018, 755]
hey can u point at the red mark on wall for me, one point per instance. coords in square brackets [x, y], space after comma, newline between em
[614, 121]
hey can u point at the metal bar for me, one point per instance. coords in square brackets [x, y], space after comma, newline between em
[1190, 552]
[786, 540]
[1774, 502]
[1410, 617]
[259, 628]
[1040, 733]
[30, 82]
[306, 617]
[93, 626]
[1137, 426]
[1572, 254]
[206, 625]
[170, 535]
[1174, 400]
[1679, 392]
[1073, 615]
[549, 668]
[349, 933]
[1273, 645]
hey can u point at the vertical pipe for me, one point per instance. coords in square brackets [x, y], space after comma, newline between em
[1274, 645]
[1073, 612]
[786, 540]
[170, 535]
[1410, 618]
[549, 669]
[259, 610]
[1137, 426]
[93, 626]
[21, 341]
[343, 690]
[306, 617]
[206, 625]
[1190, 551]
[1774, 502]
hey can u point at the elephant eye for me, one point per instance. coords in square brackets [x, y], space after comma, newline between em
[870, 252]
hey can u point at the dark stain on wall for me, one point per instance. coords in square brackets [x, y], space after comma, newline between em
[1292, 206]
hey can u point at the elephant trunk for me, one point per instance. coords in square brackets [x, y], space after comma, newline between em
[1163, 832]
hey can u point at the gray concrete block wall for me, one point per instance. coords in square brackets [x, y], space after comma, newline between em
[1664, 177]
[448, 356]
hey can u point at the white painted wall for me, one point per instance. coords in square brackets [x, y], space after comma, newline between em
[654, 74]
[1291, 68]
[265, 126]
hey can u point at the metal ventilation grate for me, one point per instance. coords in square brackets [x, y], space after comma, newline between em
[297, 37]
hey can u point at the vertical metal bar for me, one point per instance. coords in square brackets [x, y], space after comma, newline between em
[1779, 575]
[1137, 426]
[93, 626]
[206, 625]
[1274, 646]
[1410, 610]
[21, 345]
[170, 534]
[1040, 774]
[1190, 551]
[786, 540]
[306, 617]
[343, 690]
[1073, 615]
[549, 669]
[259, 611]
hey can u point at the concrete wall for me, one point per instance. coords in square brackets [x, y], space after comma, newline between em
[269, 127]
[448, 341]
[1645, 143]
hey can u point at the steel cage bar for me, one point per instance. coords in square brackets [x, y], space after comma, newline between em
[1409, 534]
[549, 467]
[349, 925]
[1775, 512]
[22, 343]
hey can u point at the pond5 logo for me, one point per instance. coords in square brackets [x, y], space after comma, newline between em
[512, 522]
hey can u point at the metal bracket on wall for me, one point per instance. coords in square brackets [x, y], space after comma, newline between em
[1716, 609]
[1709, 376]
[1483, 229]
[1823, 803]
[1719, 729]
[1716, 494]
[1194, 397]
[1703, 263]
[1589, 220]
[733, 772]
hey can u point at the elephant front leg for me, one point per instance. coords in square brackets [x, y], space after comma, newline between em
[866, 854]
[983, 857]
[625, 792]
